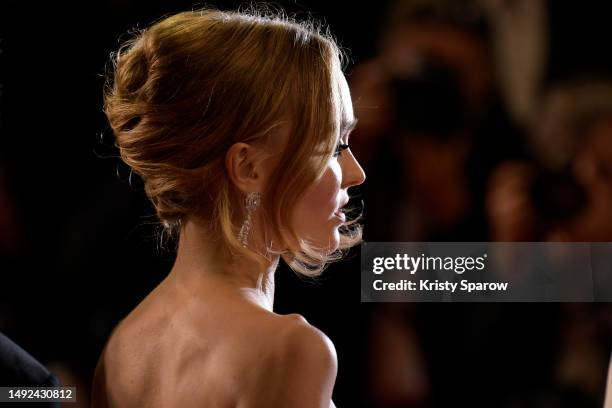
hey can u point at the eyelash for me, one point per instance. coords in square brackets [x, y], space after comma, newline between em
[340, 148]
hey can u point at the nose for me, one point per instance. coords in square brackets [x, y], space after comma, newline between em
[352, 173]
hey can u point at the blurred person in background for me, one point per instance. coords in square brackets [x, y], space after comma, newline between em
[431, 123]
[19, 369]
[432, 126]
[563, 193]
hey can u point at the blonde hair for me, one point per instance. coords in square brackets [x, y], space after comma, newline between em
[184, 90]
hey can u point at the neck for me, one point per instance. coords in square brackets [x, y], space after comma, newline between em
[200, 265]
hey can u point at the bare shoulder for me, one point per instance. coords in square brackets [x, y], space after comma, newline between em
[99, 398]
[109, 375]
[102, 391]
[302, 340]
[297, 367]
[291, 339]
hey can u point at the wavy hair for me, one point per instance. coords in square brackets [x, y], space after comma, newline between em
[185, 89]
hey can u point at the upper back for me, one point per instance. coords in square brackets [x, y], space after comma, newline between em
[179, 352]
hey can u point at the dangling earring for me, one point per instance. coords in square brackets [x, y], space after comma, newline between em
[253, 199]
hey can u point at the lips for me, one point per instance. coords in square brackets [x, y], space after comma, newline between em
[340, 215]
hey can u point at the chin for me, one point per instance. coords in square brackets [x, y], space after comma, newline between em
[326, 238]
[334, 241]
[329, 243]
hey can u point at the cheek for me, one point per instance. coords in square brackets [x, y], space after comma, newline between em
[324, 193]
[321, 199]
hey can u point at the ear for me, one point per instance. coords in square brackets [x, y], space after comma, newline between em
[244, 167]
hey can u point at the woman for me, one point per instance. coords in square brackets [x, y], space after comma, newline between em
[238, 124]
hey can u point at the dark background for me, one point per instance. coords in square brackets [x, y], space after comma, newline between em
[79, 247]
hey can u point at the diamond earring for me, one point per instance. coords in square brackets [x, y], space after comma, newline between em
[253, 199]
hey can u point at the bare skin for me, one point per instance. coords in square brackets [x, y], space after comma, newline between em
[206, 337]
[608, 401]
